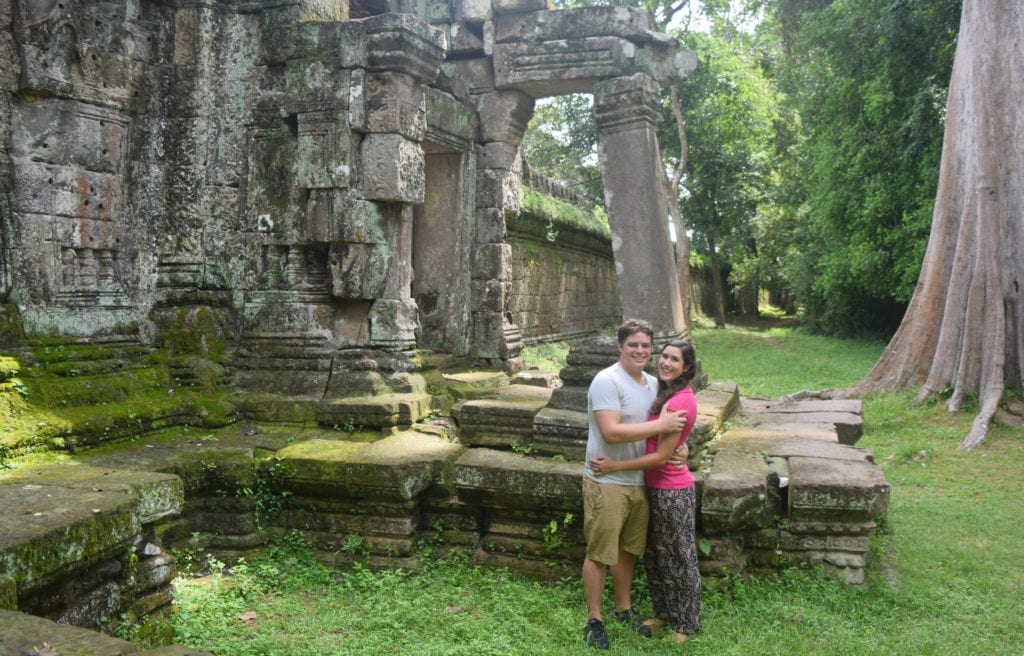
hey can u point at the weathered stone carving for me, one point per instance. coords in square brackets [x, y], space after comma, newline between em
[160, 149]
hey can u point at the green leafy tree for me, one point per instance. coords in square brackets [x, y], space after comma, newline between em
[868, 79]
[731, 112]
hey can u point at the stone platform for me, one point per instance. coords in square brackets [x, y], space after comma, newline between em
[95, 534]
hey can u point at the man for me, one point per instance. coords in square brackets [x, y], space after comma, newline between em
[615, 505]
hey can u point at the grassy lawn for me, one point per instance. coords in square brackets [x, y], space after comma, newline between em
[946, 576]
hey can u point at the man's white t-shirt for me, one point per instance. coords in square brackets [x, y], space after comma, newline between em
[614, 389]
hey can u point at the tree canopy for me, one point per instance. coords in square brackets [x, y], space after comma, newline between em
[814, 132]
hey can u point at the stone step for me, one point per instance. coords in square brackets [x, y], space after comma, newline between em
[28, 634]
[562, 431]
[786, 482]
[503, 421]
[845, 415]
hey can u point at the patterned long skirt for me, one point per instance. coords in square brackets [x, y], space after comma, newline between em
[671, 559]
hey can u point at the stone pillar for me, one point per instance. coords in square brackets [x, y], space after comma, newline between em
[503, 119]
[401, 56]
[625, 112]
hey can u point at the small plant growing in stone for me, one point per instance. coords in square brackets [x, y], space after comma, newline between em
[354, 545]
[523, 449]
[555, 535]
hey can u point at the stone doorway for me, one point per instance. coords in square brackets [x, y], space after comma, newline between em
[441, 258]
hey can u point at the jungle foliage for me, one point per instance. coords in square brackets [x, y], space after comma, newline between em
[813, 138]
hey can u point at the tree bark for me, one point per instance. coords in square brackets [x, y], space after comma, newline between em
[682, 250]
[717, 286]
[963, 327]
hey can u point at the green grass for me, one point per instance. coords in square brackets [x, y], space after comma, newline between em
[775, 361]
[946, 575]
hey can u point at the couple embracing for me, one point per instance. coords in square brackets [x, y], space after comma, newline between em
[637, 490]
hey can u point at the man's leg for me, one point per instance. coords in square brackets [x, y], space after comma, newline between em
[622, 583]
[593, 590]
[593, 587]
[622, 580]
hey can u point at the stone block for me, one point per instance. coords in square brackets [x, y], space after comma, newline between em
[490, 295]
[738, 494]
[836, 491]
[496, 155]
[392, 169]
[313, 84]
[504, 116]
[323, 150]
[498, 189]
[497, 422]
[25, 634]
[395, 103]
[561, 431]
[474, 11]
[478, 74]
[570, 397]
[393, 323]
[509, 480]
[490, 225]
[396, 468]
[492, 261]
[70, 191]
[358, 271]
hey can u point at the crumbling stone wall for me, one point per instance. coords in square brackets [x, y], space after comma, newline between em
[322, 177]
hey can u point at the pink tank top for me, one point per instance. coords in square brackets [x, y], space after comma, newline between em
[668, 476]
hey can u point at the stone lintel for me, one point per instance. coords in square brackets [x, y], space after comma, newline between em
[562, 66]
[758, 405]
[632, 23]
[787, 445]
[451, 124]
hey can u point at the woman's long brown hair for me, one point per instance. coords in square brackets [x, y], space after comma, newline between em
[667, 390]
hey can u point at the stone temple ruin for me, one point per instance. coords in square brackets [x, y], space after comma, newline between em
[279, 245]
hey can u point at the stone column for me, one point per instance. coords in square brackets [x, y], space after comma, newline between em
[503, 119]
[625, 111]
[402, 55]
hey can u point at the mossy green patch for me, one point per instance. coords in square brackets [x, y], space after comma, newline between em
[563, 214]
[195, 330]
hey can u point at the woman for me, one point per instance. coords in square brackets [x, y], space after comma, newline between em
[671, 559]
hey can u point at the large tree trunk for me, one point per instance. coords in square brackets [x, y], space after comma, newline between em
[963, 327]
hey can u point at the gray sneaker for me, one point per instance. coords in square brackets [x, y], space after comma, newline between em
[594, 634]
[633, 620]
